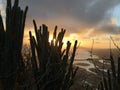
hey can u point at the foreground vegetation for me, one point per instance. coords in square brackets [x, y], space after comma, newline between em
[44, 65]
[49, 66]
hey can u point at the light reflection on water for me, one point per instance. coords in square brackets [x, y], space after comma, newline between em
[83, 54]
[81, 57]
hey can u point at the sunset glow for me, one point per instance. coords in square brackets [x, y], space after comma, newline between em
[85, 22]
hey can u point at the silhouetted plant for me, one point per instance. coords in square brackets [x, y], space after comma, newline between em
[112, 81]
[11, 39]
[52, 66]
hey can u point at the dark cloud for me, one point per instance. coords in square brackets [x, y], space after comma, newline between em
[89, 12]
[106, 30]
[75, 15]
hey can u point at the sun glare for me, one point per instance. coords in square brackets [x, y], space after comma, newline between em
[70, 38]
[50, 38]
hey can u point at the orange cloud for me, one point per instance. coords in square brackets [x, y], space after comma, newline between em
[113, 21]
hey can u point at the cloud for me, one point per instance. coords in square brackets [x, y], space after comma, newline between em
[2, 8]
[109, 29]
[79, 9]
[74, 15]
[77, 16]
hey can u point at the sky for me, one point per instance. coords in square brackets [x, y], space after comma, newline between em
[83, 20]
